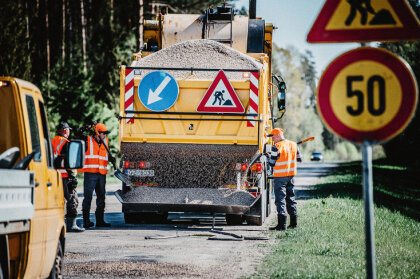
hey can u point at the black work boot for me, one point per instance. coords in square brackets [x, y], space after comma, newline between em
[100, 220]
[293, 222]
[86, 220]
[71, 225]
[281, 223]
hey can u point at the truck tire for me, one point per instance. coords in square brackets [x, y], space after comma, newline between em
[145, 217]
[57, 269]
[132, 218]
[234, 219]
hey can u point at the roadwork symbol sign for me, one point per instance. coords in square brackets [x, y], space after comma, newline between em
[158, 91]
[221, 97]
[367, 94]
[363, 21]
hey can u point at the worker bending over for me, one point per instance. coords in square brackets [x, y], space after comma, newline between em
[284, 157]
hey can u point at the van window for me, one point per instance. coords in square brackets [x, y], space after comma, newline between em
[9, 128]
[47, 142]
[33, 125]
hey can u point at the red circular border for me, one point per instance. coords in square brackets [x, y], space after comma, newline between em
[394, 63]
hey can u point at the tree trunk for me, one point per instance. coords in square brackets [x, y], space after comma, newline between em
[63, 43]
[82, 10]
[141, 25]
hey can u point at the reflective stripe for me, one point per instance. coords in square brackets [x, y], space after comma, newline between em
[59, 145]
[286, 170]
[285, 163]
[95, 167]
[91, 145]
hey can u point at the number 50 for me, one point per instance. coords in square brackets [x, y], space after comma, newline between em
[370, 95]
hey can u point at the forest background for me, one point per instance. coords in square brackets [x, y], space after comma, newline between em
[72, 51]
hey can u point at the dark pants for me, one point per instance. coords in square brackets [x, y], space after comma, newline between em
[94, 182]
[285, 195]
[72, 201]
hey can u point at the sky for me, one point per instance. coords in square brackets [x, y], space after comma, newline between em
[294, 18]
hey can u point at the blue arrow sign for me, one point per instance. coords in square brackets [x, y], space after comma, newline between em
[158, 91]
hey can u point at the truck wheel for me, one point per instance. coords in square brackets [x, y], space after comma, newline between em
[234, 219]
[132, 218]
[57, 269]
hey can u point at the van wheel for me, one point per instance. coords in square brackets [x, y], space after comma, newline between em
[57, 269]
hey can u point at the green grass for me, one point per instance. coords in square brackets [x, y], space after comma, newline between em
[329, 242]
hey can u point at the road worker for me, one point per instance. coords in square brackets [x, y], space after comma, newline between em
[95, 169]
[284, 157]
[69, 178]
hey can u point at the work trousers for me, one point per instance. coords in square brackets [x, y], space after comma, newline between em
[285, 195]
[72, 201]
[94, 182]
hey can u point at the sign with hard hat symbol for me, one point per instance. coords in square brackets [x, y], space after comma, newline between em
[367, 94]
[221, 97]
[158, 91]
[364, 20]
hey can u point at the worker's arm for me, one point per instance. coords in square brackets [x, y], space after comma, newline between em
[299, 156]
[274, 155]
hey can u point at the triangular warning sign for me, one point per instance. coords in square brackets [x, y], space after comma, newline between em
[364, 21]
[221, 97]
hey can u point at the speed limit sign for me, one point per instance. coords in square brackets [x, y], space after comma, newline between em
[367, 95]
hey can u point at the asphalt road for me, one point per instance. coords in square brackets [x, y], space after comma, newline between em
[122, 251]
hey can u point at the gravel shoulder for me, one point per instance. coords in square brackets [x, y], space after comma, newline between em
[123, 252]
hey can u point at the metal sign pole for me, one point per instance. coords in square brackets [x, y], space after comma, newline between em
[368, 201]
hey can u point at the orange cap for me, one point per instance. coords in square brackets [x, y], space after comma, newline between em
[102, 128]
[276, 131]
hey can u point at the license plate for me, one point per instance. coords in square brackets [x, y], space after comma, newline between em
[141, 173]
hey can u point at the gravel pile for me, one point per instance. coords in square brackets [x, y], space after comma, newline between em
[189, 196]
[129, 269]
[205, 54]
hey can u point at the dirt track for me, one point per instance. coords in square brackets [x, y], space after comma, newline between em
[123, 252]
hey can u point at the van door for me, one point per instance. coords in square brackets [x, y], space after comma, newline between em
[39, 222]
[55, 195]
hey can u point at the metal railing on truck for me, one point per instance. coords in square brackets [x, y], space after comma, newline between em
[190, 113]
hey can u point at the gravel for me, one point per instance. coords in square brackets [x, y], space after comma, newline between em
[188, 165]
[128, 269]
[205, 54]
[189, 196]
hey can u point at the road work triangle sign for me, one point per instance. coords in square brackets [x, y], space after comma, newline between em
[364, 21]
[221, 97]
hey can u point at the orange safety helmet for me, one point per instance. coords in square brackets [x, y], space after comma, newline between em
[102, 128]
[276, 131]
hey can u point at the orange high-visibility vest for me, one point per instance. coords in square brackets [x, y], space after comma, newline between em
[286, 164]
[58, 142]
[96, 158]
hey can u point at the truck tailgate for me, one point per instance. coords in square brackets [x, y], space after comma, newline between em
[16, 195]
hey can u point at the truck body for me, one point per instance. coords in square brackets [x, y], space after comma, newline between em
[200, 154]
[32, 229]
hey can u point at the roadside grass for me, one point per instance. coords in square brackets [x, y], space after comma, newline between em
[329, 242]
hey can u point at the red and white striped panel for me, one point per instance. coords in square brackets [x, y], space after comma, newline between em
[129, 94]
[253, 97]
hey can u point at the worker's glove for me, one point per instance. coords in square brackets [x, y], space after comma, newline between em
[72, 184]
[274, 155]
[112, 160]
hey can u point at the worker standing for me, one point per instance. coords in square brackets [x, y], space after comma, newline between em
[95, 170]
[284, 158]
[69, 178]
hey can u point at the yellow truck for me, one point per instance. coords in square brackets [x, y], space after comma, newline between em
[32, 229]
[196, 105]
